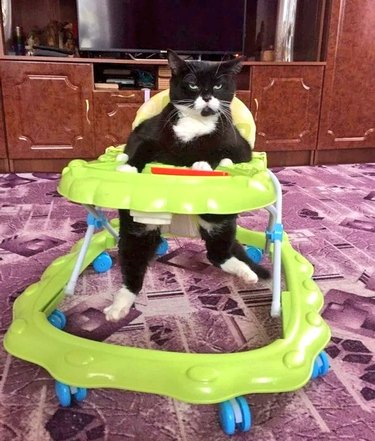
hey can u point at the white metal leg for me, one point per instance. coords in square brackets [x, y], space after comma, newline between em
[100, 221]
[98, 214]
[71, 285]
[275, 236]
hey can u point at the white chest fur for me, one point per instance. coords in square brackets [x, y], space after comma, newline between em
[189, 127]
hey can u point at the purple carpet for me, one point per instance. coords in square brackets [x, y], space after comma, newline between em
[187, 305]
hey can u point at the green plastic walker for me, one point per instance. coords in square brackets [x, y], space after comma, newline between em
[285, 365]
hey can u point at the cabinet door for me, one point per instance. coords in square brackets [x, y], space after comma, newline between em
[244, 96]
[47, 109]
[285, 102]
[114, 115]
[348, 105]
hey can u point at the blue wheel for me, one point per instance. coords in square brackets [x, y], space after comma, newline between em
[57, 319]
[245, 424]
[235, 415]
[321, 365]
[162, 248]
[63, 394]
[227, 421]
[102, 263]
[255, 254]
[81, 394]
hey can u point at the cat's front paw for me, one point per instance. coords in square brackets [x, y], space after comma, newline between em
[201, 165]
[126, 168]
[226, 162]
[122, 157]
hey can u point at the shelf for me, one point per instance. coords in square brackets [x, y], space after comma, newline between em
[143, 62]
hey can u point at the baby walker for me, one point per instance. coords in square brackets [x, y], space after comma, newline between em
[286, 364]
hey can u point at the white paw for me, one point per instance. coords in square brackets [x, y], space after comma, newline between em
[201, 165]
[122, 302]
[226, 162]
[126, 168]
[240, 269]
[122, 157]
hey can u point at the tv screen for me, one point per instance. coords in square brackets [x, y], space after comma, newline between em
[187, 26]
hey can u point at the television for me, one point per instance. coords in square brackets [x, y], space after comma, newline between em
[152, 26]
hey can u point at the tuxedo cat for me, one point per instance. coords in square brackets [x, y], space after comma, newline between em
[195, 130]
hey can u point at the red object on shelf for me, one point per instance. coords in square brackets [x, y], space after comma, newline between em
[186, 172]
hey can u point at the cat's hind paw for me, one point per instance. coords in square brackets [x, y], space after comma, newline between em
[240, 269]
[122, 302]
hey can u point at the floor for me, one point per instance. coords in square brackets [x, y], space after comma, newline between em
[187, 305]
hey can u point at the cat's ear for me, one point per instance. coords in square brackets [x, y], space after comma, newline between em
[232, 66]
[176, 63]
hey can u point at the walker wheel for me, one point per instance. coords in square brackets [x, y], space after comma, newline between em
[57, 319]
[321, 365]
[235, 415]
[162, 248]
[81, 394]
[102, 263]
[255, 254]
[65, 393]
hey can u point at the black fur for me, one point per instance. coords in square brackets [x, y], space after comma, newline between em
[155, 141]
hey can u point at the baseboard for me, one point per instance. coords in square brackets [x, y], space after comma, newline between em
[289, 158]
[344, 156]
[38, 165]
[4, 165]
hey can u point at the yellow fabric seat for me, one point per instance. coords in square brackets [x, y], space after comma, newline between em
[242, 117]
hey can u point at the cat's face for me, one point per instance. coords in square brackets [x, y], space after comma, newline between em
[202, 88]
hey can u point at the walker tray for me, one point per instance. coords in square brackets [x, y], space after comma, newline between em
[98, 183]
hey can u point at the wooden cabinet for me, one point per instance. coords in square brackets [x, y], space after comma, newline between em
[285, 102]
[348, 104]
[244, 96]
[114, 115]
[48, 109]
[3, 149]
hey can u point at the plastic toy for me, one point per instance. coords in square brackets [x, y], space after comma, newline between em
[286, 364]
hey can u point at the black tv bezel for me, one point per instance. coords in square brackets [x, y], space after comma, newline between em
[164, 50]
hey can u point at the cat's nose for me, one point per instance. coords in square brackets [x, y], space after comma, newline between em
[206, 97]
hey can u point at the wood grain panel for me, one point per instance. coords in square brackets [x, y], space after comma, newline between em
[348, 105]
[3, 148]
[48, 109]
[244, 96]
[285, 103]
[114, 115]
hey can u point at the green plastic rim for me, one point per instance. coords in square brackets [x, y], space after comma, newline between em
[284, 365]
[248, 187]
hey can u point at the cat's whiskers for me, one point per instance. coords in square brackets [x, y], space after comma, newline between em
[225, 111]
[171, 115]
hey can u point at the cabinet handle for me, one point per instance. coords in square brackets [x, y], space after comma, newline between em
[256, 108]
[123, 96]
[87, 111]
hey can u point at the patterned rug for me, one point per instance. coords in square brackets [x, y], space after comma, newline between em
[187, 305]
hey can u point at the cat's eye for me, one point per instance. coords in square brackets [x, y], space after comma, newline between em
[193, 86]
[218, 86]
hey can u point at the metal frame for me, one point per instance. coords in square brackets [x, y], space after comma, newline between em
[274, 234]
